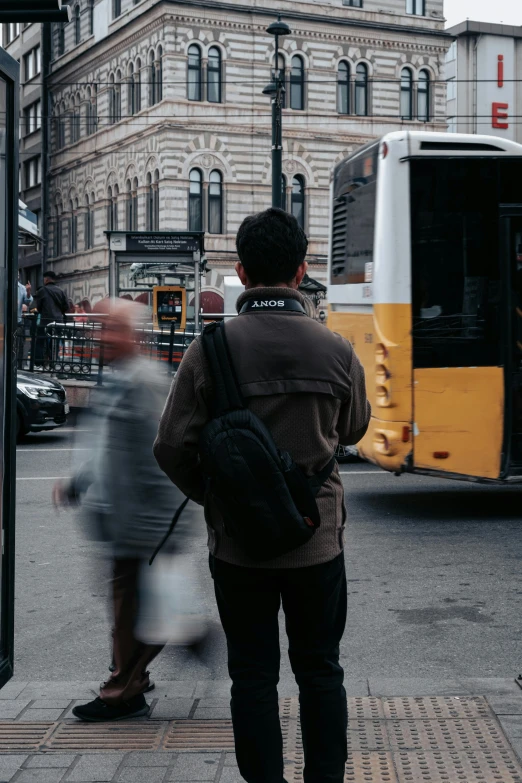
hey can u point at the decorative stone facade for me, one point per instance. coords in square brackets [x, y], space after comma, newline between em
[113, 129]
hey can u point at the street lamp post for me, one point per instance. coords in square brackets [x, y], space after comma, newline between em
[276, 90]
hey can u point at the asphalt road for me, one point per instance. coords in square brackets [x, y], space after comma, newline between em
[434, 570]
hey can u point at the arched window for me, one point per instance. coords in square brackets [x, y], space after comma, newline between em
[194, 73]
[128, 206]
[406, 94]
[297, 77]
[298, 199]
[159, 74]
[215, 203]
[283, 192]
[150, 203]
[77, 25]
[423, 96]
[117, 97]
[91, 17]
[137, 86]
[110, 227]
[214, 75]
[155, 206]
[92, 109]
[134, 201]
[73, 229]
[196, 201]
[114, 205]
[152, 84]
[153, 201]
[343, 88]
[58, 229]
[361, 90]
[89, 221]
[112, 99]
[131, 90]
[75, 121]
[61, 130]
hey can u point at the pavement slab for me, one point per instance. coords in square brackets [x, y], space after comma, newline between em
[421, 738]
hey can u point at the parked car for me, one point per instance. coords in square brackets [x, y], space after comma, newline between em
[41, 404]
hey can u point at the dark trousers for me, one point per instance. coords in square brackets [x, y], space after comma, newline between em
[314, 602]
[130, 656]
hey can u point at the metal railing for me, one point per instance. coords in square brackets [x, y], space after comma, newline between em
[74, 349]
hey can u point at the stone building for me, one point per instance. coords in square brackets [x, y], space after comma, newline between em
[24, 43]
[159, 121]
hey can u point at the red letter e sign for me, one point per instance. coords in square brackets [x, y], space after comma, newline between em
[499, 115]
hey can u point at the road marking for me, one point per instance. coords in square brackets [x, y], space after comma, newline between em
[42, 478]
[20, 450]
[354, 472]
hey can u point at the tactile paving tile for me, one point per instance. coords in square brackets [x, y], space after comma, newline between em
[365, 708]
[368, 735]
[370, 767]
[470, 766]
[433, 707]
[446, 735]
[134, 735]
[23, 736]
[199, 735]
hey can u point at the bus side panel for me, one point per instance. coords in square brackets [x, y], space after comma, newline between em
[382, 341]
[459, 420]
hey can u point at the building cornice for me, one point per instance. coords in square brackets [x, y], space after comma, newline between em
[165, 12]
[253, 10]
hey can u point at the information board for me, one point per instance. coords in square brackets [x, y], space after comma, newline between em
[144, 242]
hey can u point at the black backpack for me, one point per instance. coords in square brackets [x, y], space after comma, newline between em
[267, 503]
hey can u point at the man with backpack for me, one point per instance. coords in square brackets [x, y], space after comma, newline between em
[250, 428]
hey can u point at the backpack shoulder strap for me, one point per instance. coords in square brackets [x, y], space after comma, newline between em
[227, 395]
[316, 481]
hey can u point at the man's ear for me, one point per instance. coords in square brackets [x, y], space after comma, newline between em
[301, 272]
[240, 271]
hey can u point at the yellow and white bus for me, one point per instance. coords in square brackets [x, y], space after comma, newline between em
[425, 279]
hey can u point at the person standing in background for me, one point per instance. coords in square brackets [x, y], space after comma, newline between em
[24, 298]
[51, 305]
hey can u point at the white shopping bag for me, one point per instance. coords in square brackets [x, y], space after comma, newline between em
[169, 610]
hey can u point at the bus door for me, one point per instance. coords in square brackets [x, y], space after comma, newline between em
[511, 253]
[458, 318]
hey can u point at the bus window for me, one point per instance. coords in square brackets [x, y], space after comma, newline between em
[455, 263]
[355, 193]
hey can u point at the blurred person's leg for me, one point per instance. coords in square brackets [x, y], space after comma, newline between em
[130, 656]
[248, 600]
[315, 603]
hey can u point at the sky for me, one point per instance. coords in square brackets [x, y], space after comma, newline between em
[506, 11]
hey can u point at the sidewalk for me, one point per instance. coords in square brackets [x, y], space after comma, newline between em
[400, 731]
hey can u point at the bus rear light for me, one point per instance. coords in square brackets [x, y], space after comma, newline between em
[382, 374]
[382, 393]
[406, 434]
[441, 454]
[382, 441]
[381, 352]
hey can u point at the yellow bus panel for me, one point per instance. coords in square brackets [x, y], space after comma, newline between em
[459, 420]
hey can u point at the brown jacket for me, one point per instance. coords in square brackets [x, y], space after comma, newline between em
[304, 382]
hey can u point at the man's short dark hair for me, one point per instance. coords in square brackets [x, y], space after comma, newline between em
[51, 275]
[271, 246]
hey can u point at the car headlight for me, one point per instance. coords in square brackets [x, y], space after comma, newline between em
[35, 391]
